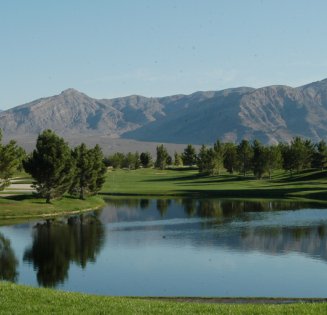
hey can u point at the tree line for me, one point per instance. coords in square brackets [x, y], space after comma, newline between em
[244, 158]
[55, 167]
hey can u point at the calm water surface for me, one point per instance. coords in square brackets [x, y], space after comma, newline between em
[180, 247]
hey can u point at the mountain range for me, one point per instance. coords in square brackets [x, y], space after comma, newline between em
[270, 114]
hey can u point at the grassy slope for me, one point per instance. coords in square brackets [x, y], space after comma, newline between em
[308, 184]
[26, 206]
[16, 299]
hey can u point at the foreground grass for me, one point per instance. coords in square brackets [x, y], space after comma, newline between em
[17, 299]
[305, 185]
[26, 206]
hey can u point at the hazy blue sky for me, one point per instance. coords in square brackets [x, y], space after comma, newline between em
[157, 47]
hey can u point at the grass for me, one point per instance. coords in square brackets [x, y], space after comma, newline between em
[26, 206]
[310, 184]
[17, 299]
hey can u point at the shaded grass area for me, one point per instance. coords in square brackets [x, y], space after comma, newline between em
[17, 299]
[310, 184]
[27, 206]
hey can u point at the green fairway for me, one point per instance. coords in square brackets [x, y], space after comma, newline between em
[184, 182]
[17, 299]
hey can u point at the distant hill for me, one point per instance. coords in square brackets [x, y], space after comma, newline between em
[273, 113]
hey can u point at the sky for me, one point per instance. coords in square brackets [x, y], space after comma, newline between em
[110, 48]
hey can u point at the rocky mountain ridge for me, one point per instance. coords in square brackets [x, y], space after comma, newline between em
[270, 114]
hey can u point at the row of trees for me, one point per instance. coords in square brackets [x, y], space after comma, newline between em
[58, 169]
[244, 157]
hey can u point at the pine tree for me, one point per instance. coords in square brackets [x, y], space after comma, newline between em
[230, 157]
[146, 159]
[189, 155]
[320, 156]
[51, 165]
[178, 161]
[259, 164]
[162, 156]
[11, 157]
[244, 154]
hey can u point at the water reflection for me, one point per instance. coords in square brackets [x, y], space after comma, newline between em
[57, 244]
[272, 227]
[8, 261]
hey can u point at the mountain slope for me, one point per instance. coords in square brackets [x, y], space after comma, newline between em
[270, 114]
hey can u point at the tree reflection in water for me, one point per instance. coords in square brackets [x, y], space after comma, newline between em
[8, 261]
[57, 244]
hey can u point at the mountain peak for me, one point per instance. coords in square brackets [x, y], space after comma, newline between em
[70, 91]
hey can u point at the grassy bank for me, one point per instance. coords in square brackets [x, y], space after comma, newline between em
[17, 299]
[305, 185]
[26, 206]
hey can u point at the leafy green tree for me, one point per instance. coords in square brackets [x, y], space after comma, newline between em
[162, 156]
[206, 161]
[51, 165]
[230, 157]
[320, 155]
[259, 162]
[244, 154]
[273, 157]
[189, 155]
[302, 152]
[287, 157]
[116, 160]
[90, 171]
[218, 156]
[178, 161]
[11, 157]
[132, 161]
[146, 159]
[169, 160]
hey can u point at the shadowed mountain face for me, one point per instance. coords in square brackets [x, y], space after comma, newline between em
[270, 114]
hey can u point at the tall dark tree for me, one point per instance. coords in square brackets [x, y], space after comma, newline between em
[273, 157]
[230, 157]
[189, 155]
[244, 154]
[146, 159]
[302, 153]
[51, 166]
[219, 152]
[259, 162]
[162, 156]
[320, 155]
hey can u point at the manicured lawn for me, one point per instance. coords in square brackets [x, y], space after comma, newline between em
[25, 206]
[17, 299]
[308, 184]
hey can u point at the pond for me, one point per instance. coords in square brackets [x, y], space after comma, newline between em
[175, 247]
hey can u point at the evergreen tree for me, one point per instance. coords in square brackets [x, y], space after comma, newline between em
[51, 165]
[189, 155]
[162, 156]
[90, 171]
[178, 161]
[99, 169]
[10, 160]
[244, 155]
[230, 157]
[302, 153]
[146, 159]
[259, 164]
[273, 157]
[218, 156]
[116, 160]
[320, 155]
